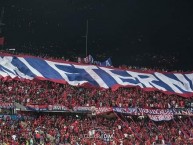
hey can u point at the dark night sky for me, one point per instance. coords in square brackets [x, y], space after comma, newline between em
[119, 29]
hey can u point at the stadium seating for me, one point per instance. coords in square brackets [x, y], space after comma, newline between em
[88, 129]
[45, 92]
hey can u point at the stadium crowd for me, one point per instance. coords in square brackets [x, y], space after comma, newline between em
[52, 129]
[45, 92]
[72, 128]
[76, 129]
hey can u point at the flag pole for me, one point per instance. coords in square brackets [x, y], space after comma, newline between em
[86, 37]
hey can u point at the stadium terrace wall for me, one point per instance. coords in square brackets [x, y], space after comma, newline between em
[32, 68]
[103, 110]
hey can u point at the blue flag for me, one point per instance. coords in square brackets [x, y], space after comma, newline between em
[108, 62]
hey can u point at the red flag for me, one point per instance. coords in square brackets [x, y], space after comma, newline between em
[1, 40]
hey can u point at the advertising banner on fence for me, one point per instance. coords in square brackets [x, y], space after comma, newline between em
[132, 111]
[83, 109]
[142, 111]
[47, 108]
[6, 105]
[183, 111]
[165, 117]
[155, 111]
[101, 110]
[57, 108]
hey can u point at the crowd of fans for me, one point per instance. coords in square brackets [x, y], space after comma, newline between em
[82, 129]
[45, 92]
[52, 129]
[34, 128]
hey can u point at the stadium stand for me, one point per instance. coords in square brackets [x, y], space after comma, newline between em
[113, 123]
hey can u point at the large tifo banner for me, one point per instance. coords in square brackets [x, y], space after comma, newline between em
[90, 75]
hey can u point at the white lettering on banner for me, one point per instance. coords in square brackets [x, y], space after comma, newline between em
[95, 76]
[155, 111]
[186, 112]
[148, 82]
[161, 117]
[190, 77]
[103, 110]
[63, 73]
[6, 63]
[171, 82]
[6, 105]
[79, 108]
[35, 71]
[57, 107]
[132, 111]
[183, 111]
[185, 82]
[118, 77]
[3, 74]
